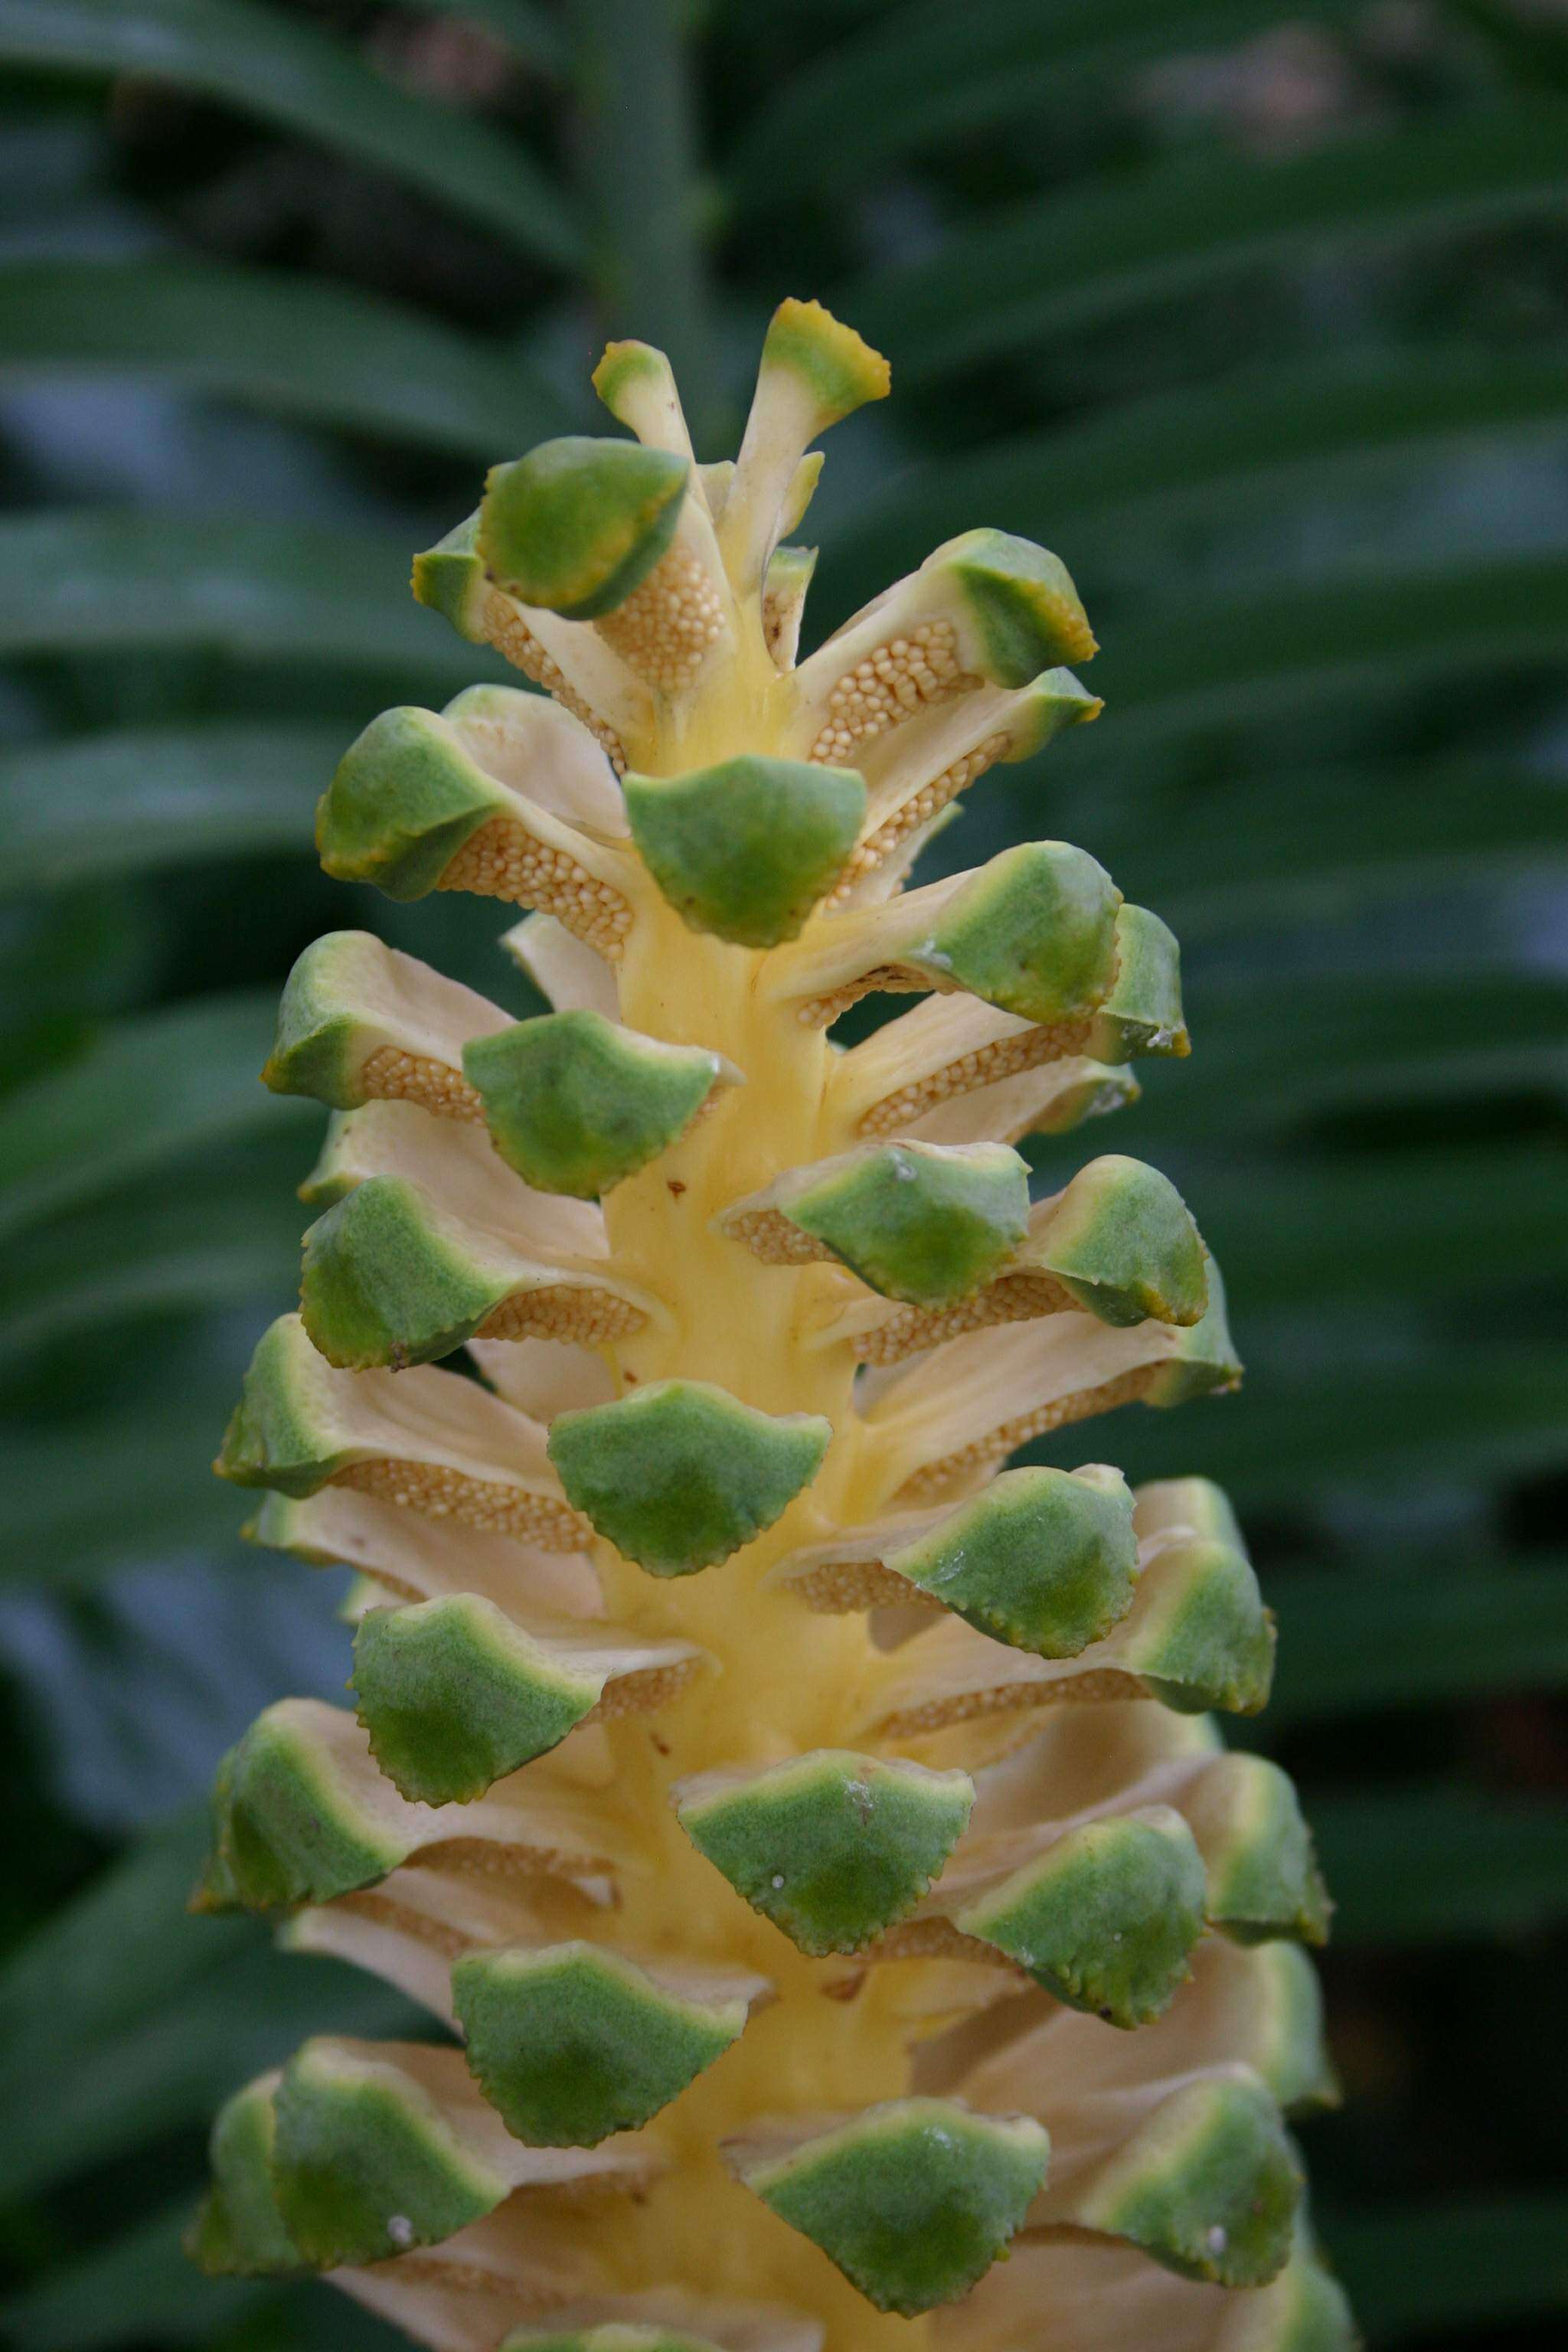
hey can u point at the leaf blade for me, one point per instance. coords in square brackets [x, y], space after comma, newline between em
[951, 70]
[330, 353]
[1413, 1867]
[1204, 453]
[1049, 266]
[149, 1090]
[1412, 2267]
[90, 808]
[1352, 1642]
[261, 63]
[76, 581]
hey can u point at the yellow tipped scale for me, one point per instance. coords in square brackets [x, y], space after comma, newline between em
[829, 1729]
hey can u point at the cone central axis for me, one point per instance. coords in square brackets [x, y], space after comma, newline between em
[810, 1837]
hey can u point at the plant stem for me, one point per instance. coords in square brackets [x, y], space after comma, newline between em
[637, 162]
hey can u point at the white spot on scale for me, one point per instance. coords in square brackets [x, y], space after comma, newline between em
[1217, 2240]
[778, 1879]
[400, 2230]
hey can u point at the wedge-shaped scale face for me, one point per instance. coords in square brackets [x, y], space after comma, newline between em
[1031, 933]
[1196, 1637]
[366, 2165]
[1263, 1876]
[390, 1279]
[383, 2147]
[360, 1022]
[1142, 1014]
[814, 370]
[421, 1439]
[986, 608]
[415, 807]
[913, 2200]
[239, 2231]
[1121, 1244]
[813, 358]
[832, 1847]
[302, 1813]
[404, 802]
[1260, 1880]
[636, 384]
[1203, 1637]
[1208, 2186]
[746, 849]
[1281, 2034]
[576, 525]
[1117, 1244]
[453, 1695]
[1044, 1561]
[572, 2042]
[455, 1692]
[575, 1103]
[1106, 1919]
[916, 1222]
[288, 1827]
[573, 664]
[449, 579]
[681, 1474]
[1022, 607]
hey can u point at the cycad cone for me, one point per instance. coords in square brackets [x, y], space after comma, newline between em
[773, 1212]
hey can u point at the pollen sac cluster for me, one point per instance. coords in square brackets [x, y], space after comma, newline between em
[807, 1828]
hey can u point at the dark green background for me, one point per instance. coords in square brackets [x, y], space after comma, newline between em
[1259, 314]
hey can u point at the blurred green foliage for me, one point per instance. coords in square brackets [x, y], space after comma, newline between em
[1258, 313]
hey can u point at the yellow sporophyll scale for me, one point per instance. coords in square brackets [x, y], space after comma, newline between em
[794, 1924]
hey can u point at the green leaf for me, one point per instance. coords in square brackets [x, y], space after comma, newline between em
[221, 1234]
[78, 581]
[58, 1994]
[1353, 1639]
[148, 1091]
[1431, 1865]
[1270, 1055]
[1245, 654]
[1415, 1226]
[1441, 2266]
[94, 807]
[124, 1482]
[1207, 454]
[1329, 846]
[1352, 1416]
[266, 64]
[138, 2018]
[1046, 266]
[325, 351]
[141, 2284]
[522, 24]
[956, 67]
